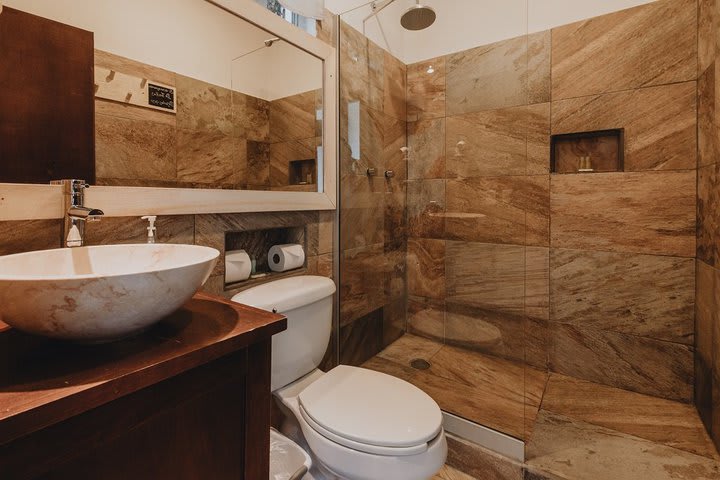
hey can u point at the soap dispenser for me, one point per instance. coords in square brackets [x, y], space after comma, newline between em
[151, 227]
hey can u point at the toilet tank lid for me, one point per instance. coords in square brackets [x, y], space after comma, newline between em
[287, 293]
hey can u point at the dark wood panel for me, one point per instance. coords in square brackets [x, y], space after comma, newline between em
[46, 103]
[187, 427]
[43, 382]
[258, 413]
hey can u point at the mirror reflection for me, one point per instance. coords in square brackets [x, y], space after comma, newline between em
[207, 101]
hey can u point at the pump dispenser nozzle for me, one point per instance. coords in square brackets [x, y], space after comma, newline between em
[151, 227]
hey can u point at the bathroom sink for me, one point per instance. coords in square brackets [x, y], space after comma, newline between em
[100, 293]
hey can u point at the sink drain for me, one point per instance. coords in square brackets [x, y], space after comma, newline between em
[420, 364]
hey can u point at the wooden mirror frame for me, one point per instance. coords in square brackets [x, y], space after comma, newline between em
[31, 202]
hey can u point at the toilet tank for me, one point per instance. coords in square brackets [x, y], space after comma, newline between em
[307, 302]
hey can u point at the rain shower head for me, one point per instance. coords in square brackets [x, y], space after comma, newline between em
[418, 17]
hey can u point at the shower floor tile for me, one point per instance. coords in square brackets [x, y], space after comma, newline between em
[574, 429]
[666, 422]
[484, 389]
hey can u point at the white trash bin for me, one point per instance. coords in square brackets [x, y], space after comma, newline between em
[287, 460]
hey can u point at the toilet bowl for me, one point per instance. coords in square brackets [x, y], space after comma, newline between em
[356, 424]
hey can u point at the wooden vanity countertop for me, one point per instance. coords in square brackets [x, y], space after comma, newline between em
[43, 381]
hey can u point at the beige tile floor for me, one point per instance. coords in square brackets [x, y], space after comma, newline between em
[487, 390]
[573, 429]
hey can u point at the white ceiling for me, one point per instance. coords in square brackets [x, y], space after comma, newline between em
[463, 24]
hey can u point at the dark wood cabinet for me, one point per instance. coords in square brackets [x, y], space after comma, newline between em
[188, 400]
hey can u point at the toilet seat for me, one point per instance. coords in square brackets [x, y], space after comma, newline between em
[362, 447]
[371, 412]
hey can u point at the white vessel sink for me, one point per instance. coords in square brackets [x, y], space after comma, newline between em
[99, 294]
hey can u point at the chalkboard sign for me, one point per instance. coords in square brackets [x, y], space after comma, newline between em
[162, 97]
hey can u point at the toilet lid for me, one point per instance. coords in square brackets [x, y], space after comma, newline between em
[371, 408]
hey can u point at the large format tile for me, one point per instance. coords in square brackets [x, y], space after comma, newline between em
[19, 236]
[362, 290]
[538, 67]
[573, 450]
[354, 64]
[487, 77]
[251, 117]
[293, 117]
[659, 123]
[394, 87]
[707, 33]
[482, 388]
[642, 365]
[284, 153]
[211, 158]
[647, 45]
[486, 275]
[486, 330]
[134, 149]
[426, 267]
[708, 214]
[645, 295]
[506, 141]
[113, 230]
[426, 141]
[361, 339]
[641, 212]
[426, 208]
[426, 317]
[662, 421]
[507, 209]
[426, 89]
[409, 348]
[204, 107]
[708, 130]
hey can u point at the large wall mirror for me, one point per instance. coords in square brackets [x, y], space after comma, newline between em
[192, 94]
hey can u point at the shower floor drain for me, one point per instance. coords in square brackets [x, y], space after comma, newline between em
[420, 364]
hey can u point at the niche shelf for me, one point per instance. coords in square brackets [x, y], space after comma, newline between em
[257, 243]
[588, 152]
[303, 172]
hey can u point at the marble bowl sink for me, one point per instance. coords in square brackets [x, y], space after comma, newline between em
[101, 293]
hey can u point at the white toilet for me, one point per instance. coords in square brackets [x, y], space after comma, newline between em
[357, 424]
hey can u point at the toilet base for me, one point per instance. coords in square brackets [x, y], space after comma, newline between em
[422, 467]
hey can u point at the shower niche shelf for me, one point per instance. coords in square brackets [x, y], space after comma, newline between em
[588, 152]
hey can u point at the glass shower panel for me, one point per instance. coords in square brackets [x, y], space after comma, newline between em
[444, 264]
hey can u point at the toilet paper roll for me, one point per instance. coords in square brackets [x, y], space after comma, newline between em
[237, 266]
[282, 258]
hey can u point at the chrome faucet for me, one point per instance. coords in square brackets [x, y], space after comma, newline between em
[76, 213]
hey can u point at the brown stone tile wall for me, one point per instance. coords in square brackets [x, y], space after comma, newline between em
[707, 292]
[219, 138]
[373, 239]
[589, 275]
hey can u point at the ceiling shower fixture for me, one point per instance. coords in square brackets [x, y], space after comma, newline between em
[418, 17]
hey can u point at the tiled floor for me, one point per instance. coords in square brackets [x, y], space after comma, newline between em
[484, 389]
[575, 429]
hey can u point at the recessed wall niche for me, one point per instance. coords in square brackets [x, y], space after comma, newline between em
[587, 152]
[256, 244]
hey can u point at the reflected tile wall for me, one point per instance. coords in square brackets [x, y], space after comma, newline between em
[373, 227]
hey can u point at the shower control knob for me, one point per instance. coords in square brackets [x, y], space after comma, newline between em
[389, 174]
[371, 172]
